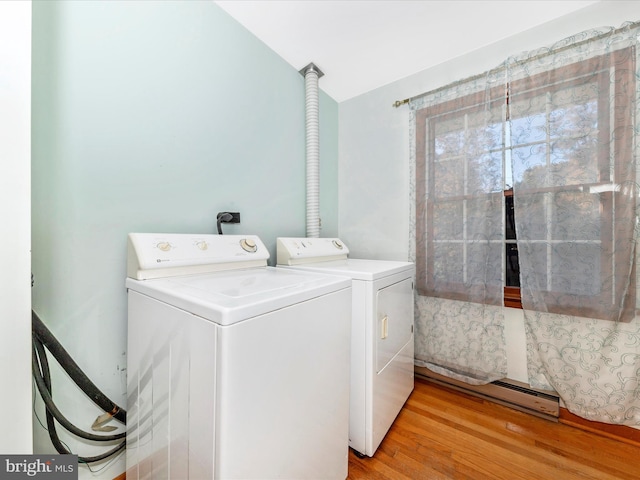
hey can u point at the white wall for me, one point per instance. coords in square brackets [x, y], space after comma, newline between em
[374, 147]
[15, 256]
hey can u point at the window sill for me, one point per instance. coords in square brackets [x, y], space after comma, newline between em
[512, 297]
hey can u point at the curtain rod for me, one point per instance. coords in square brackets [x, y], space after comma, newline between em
[498, 69]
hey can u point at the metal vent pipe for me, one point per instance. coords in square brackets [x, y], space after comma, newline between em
[311, 74]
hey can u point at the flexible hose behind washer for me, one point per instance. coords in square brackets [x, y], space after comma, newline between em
[43, 337]
[43, 380]
[74, 371]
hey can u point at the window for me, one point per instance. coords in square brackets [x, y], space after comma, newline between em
[459, 173]
[550, 160]
[512, 262]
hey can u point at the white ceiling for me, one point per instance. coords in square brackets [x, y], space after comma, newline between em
[361, 45]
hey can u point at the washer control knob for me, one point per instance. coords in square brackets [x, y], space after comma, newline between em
[337, 244]
[248, 245]
[164, 246]
[202, 245]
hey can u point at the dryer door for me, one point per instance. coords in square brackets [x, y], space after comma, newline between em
[395, 321]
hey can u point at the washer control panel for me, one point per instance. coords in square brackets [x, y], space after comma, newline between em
[296, 251]
[248, 245]
[154, 255]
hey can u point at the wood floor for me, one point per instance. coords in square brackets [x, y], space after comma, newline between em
[441, 434]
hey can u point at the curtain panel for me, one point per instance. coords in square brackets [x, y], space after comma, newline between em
[572, 134]
[460, 177]
[457, 195]
[553, 134]
[572, 111]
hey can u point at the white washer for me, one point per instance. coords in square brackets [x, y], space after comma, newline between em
[236, 370]
[382, 343]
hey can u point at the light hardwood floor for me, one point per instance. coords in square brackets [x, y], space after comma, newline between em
[442, 434]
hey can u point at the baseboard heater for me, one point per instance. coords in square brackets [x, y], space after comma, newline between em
[509, 393]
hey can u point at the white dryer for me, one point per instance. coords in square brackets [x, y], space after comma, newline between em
[382, 342]
[236, 370]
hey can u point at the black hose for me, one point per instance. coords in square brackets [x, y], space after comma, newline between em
[104, 455]
[44, 368]
[42, 376]
[74, 371]
[62, 420]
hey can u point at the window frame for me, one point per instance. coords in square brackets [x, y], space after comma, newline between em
[600, 67]
[552, 81]
[511, 295]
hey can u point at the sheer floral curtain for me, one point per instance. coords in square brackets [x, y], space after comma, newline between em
[574, 148]
[558, 127]
[458, 200]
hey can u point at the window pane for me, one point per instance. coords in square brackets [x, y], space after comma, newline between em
[448, 181]
[575, 269]
[512, 265]
[533, 265]
[449, 137]
[534, 225]
[448, 263]
[484, 218]
[574, 111]
[448, 221]
[574, 162]
[530, 166]
[576, 216]
[569, 215]
[508, 170]
[484, 264]
[485, 173]
[510, 219]
[571, 135]
[483, 131]
[530, 128]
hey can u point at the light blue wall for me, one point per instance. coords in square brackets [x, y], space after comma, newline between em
[154, 116]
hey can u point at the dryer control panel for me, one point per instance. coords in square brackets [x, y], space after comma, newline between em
[157, 255]
[296, 251]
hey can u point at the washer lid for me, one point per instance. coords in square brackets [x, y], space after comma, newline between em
[233, 296]
[359, 269]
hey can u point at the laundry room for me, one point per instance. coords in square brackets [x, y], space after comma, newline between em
[154, 117]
